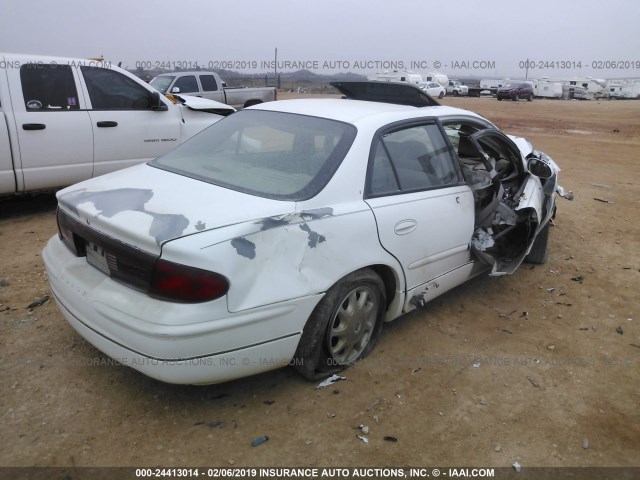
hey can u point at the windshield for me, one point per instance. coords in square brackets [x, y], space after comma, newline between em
[161, 83]
[270, 154]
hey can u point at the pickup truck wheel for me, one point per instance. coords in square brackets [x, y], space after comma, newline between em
[499, 99]
[455, 93]
[540, 250]
[343, 327]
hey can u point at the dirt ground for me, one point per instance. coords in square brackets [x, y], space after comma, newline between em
[532, 367]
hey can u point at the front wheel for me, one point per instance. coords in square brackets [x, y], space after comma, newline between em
[539, 252]
[530, 98]
[343, 327]
[516, 98]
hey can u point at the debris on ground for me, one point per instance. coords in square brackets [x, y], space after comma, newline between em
[601, 185]
[568, 194]
[259, 441]
[579, 278]
[620, 330]
[331, 415]
[215, 424]
[497, 448]
[604, 200]
[390, 438]
[331, 380]
[363, 438]
[585, 443]
[4, 282]
[41, 301]
[517, 467]
[269, 402]
[533, 381]
[372, 405]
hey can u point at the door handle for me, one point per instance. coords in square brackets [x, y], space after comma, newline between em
[405, 226]
[107, 124]
[33, 126]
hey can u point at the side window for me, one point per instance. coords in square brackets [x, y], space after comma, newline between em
[110, 90]
[48, 87]
[209, 83]
[187, 84]
[420, 159]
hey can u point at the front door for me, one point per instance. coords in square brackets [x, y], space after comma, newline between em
[127, 130]
[423, 208]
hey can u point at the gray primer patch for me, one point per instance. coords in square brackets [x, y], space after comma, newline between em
[272, 222]
[164, 226]
[244, 247]
[314, 237]
[316, 213]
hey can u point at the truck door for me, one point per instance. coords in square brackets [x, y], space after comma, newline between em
[127, 130]
[423, 209]
[211, 89]
[55, 139]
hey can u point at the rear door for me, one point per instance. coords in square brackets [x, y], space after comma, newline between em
[210, 88]
[422, 206]
[55, 138]
[127, 130]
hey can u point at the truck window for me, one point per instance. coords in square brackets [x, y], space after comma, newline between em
[110, 90]
[187, 84]
[48, 87]
[208, 83]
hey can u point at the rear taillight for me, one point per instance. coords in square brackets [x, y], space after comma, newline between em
[182, 283]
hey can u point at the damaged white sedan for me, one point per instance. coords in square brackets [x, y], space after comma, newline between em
[289, 232]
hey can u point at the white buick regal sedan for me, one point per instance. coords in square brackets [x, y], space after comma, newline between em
[289, 232]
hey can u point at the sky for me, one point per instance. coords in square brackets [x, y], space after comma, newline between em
[485, 38]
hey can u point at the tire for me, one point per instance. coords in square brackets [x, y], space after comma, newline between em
[344, 326]
[441, 95]
[516, 98]
[539, 251]
[530, 98]
[455, 93]
[499, 99]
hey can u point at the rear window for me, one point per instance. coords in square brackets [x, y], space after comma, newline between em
[275, 155]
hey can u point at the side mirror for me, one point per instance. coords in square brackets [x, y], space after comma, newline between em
[539, 167]
[175, 90]
[157, 104]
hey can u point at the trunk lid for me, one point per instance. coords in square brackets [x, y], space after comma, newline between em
[145, 207]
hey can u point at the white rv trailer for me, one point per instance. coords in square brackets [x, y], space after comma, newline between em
[397, 76]
[620, 89]
[546, 89]
[438, 77]
[593, 87]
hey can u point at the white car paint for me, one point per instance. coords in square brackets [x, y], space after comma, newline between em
[280, 256]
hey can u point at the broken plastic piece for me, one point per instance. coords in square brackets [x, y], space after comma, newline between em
[39, 302]
[331, 380]
[259, 441]
[363, 438]
[517, 467]
[568, 194]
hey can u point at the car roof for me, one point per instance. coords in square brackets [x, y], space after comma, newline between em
[360, 111]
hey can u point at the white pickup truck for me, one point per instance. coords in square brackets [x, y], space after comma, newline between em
[209, 85]
[65, 120]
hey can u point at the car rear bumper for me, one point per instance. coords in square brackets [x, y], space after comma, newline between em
[176, 343]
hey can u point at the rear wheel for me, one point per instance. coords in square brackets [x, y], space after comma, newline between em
[455, 93]
[343, 327]
[441, 95]
[530, 98]
[540, 250]
[516, 98]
